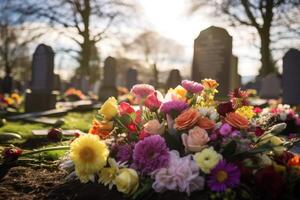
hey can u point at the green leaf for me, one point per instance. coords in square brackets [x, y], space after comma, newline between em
[143, 190]
[229, 149]
[125, 119]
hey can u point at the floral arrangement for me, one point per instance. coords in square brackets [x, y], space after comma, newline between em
[73, 94]
[13, 101]
[187, 142]
[282, 113]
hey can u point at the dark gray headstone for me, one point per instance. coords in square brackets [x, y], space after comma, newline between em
[235, 79]
[291, 77]
[212, 57]
[7, 84]
[174, 79]
[131, 78]
[57, 83]
[108, 87]
[270, 86]
[40, 95]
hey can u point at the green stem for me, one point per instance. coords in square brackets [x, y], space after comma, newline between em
[45, 149]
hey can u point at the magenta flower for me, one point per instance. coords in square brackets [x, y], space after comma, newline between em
[142, 90]
[225, 129]
[124, 153]
[192, 86]
[223, 176]
[182, 175]
[150, 154]
[175, 106]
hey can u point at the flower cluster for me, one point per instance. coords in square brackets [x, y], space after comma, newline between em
[73, 94]
[13, 100]
[186, 141]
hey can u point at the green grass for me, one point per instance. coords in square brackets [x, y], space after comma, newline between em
[73, 120]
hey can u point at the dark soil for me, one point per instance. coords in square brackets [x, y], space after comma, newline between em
[24, 183]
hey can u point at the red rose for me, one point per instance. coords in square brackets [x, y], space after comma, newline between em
[152, 102]
[224, 108]
[125, 108]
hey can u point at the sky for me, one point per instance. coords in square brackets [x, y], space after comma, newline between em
[169, 18]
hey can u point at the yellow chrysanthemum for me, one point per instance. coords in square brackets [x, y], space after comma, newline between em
[207, 159]
[89, 155]
[246, 111]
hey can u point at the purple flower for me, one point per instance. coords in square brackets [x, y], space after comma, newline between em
[225, 129]
[124, 153]
[192, 86]
[224, 175]
[182, 175]
[176, 106]
[150, 154]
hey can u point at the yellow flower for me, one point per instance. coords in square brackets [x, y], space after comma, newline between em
[10, 101]
[108, 174]
[109, 109]
[207, 159]
[89, 155]
[16, 97]
[209, 84]
[246, 111]
[179, 91]
[127, 181]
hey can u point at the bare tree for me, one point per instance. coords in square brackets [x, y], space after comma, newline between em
[273, 20]
[86, 22]
[155, 49]
[14, 39]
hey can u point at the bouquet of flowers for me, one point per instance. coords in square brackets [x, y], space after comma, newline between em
[13, 101]
[73, 94]
[187, 142]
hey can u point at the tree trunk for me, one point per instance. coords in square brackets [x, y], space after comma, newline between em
[265, 51]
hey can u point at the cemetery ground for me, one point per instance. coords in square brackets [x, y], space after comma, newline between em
[38, 179]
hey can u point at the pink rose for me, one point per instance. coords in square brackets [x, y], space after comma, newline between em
[196, 139]
[152, 102]
[154, 127]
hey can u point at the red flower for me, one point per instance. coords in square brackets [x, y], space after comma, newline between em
[270, 182]
[259, 131]
[224, 108]
[152, 102]
[125, 108]
[257, 110]
[132, 127]
[11, 153]
[55, 135]
[143, 134]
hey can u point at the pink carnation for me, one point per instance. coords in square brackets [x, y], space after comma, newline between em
[192, 86]
[142, 90]
[182, 174]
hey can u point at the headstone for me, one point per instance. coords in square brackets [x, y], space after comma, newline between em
[235, 79]
[84, 85]
[108, 87]
[291, 77]
[7, 84]
[57, 83]
[131, 78]
[270, 86]
[174, 79]
[212, 57]
[40, 95]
